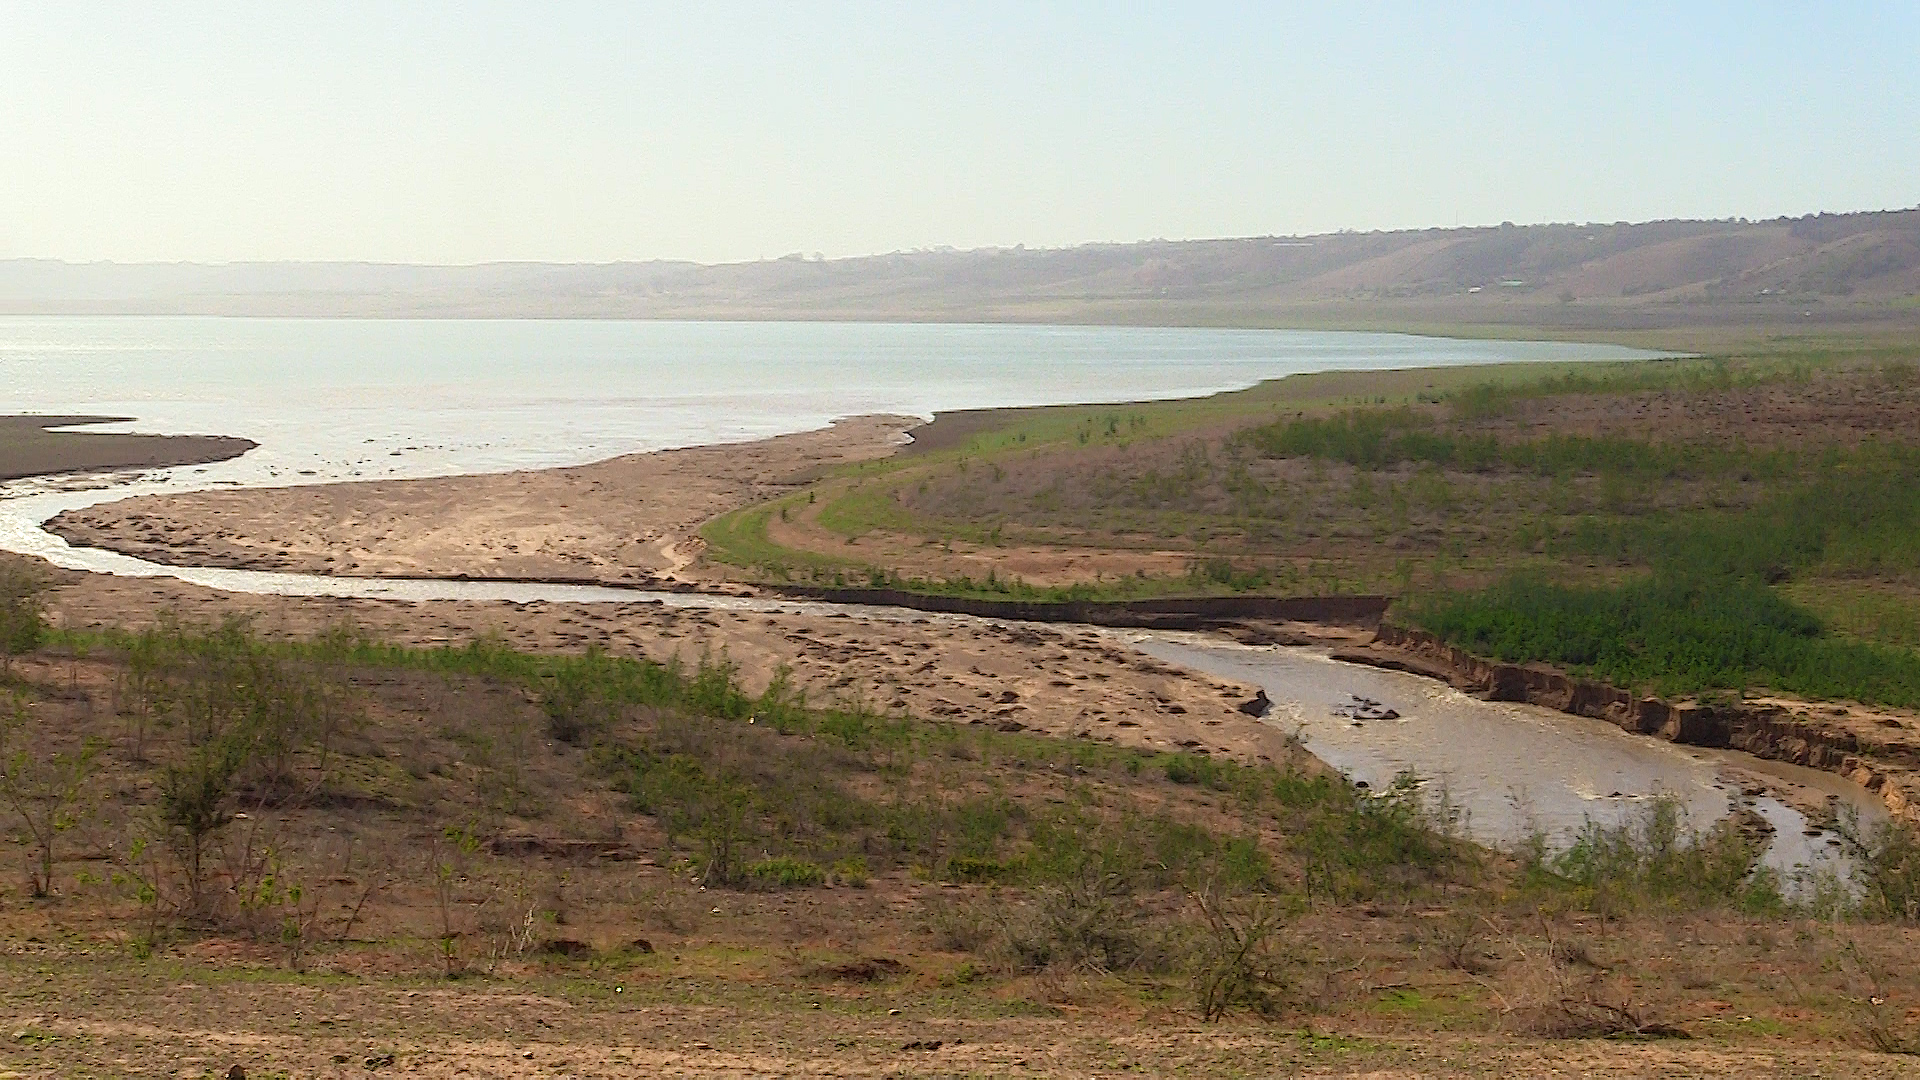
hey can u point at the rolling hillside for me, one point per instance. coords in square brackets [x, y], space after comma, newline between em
[1828, 266]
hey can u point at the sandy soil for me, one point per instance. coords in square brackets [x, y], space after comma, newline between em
[1066, 681]
[628, 520]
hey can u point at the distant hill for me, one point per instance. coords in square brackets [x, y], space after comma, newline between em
[1853, 266]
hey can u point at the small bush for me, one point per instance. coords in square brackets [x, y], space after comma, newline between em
[23, 621]
[1237, 960]
[965, 925]
[974, 869]
[1886, 860]
[1655, 860]
[851, 871]
[1357, 846]
[45, 790]
[785, 872]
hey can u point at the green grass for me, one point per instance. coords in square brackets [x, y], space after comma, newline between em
[1119, 425]
[1863, 610]
[1654, 860]
[1682, 566]
[1378, 438]
[1674, 637]
[765, 790]
[740, 539]
[865, 508]
[1852, 513]
[1388, 418]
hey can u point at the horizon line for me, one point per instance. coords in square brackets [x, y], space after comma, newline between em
[945, 249]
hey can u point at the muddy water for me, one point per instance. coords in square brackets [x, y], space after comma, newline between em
[1510, 769]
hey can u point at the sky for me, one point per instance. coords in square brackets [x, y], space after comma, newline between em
[474, 132]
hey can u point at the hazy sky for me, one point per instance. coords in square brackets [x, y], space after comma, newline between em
[711, 131]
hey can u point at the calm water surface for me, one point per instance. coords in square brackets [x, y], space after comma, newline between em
[347, 397]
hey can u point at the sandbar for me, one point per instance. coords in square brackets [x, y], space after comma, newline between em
[29, 447]
[629, 520]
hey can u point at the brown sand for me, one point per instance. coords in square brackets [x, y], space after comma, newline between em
[628, 520]
[28, 448]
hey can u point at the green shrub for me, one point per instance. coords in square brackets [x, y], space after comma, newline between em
[784, 872]
[1673, 635]
[1379, 438]
[23, 621]
[1654, 859]
[973, 869]
[1886, 860]
[1357, 846]
[851, 871]
[1198, 769]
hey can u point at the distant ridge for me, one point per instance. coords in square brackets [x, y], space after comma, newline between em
[1647, 273]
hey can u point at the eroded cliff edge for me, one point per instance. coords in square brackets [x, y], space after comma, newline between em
[1879, 749]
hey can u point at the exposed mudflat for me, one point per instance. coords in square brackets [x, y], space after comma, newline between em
[29, 448]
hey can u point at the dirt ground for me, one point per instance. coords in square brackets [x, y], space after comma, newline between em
[838, 980]
[67, 1019]
[916, 557]
[633, 968]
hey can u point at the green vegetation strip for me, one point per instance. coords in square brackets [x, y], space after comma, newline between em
[1708, 615]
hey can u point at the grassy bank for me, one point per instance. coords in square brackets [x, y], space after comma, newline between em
[1721, 523]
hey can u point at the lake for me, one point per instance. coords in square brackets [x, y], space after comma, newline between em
[397, 398]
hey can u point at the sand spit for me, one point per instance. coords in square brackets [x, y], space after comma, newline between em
[629, 520]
